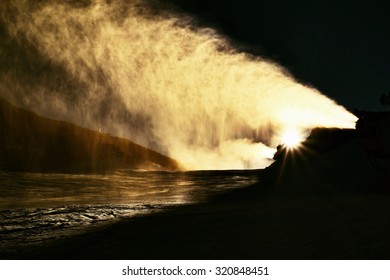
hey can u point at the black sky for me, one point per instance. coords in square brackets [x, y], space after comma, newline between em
[340, 47]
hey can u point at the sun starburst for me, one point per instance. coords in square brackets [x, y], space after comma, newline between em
[292, 138]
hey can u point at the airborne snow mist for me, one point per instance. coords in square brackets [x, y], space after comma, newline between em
[158, 80]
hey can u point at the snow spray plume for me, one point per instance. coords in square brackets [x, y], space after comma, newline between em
[157, 80]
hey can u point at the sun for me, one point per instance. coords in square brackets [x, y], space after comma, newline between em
[292, 138]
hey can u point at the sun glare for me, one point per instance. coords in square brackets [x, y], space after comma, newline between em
[292, 138]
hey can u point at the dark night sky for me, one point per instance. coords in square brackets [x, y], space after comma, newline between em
[340, 47]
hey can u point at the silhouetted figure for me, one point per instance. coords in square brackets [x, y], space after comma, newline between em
[281, 151]
[374, 131]
[385, 99]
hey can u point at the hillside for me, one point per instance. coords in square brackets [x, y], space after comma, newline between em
[29, 142]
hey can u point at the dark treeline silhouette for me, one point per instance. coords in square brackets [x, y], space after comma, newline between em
[29, 142]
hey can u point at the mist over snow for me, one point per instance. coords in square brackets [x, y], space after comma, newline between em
[155, 79]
